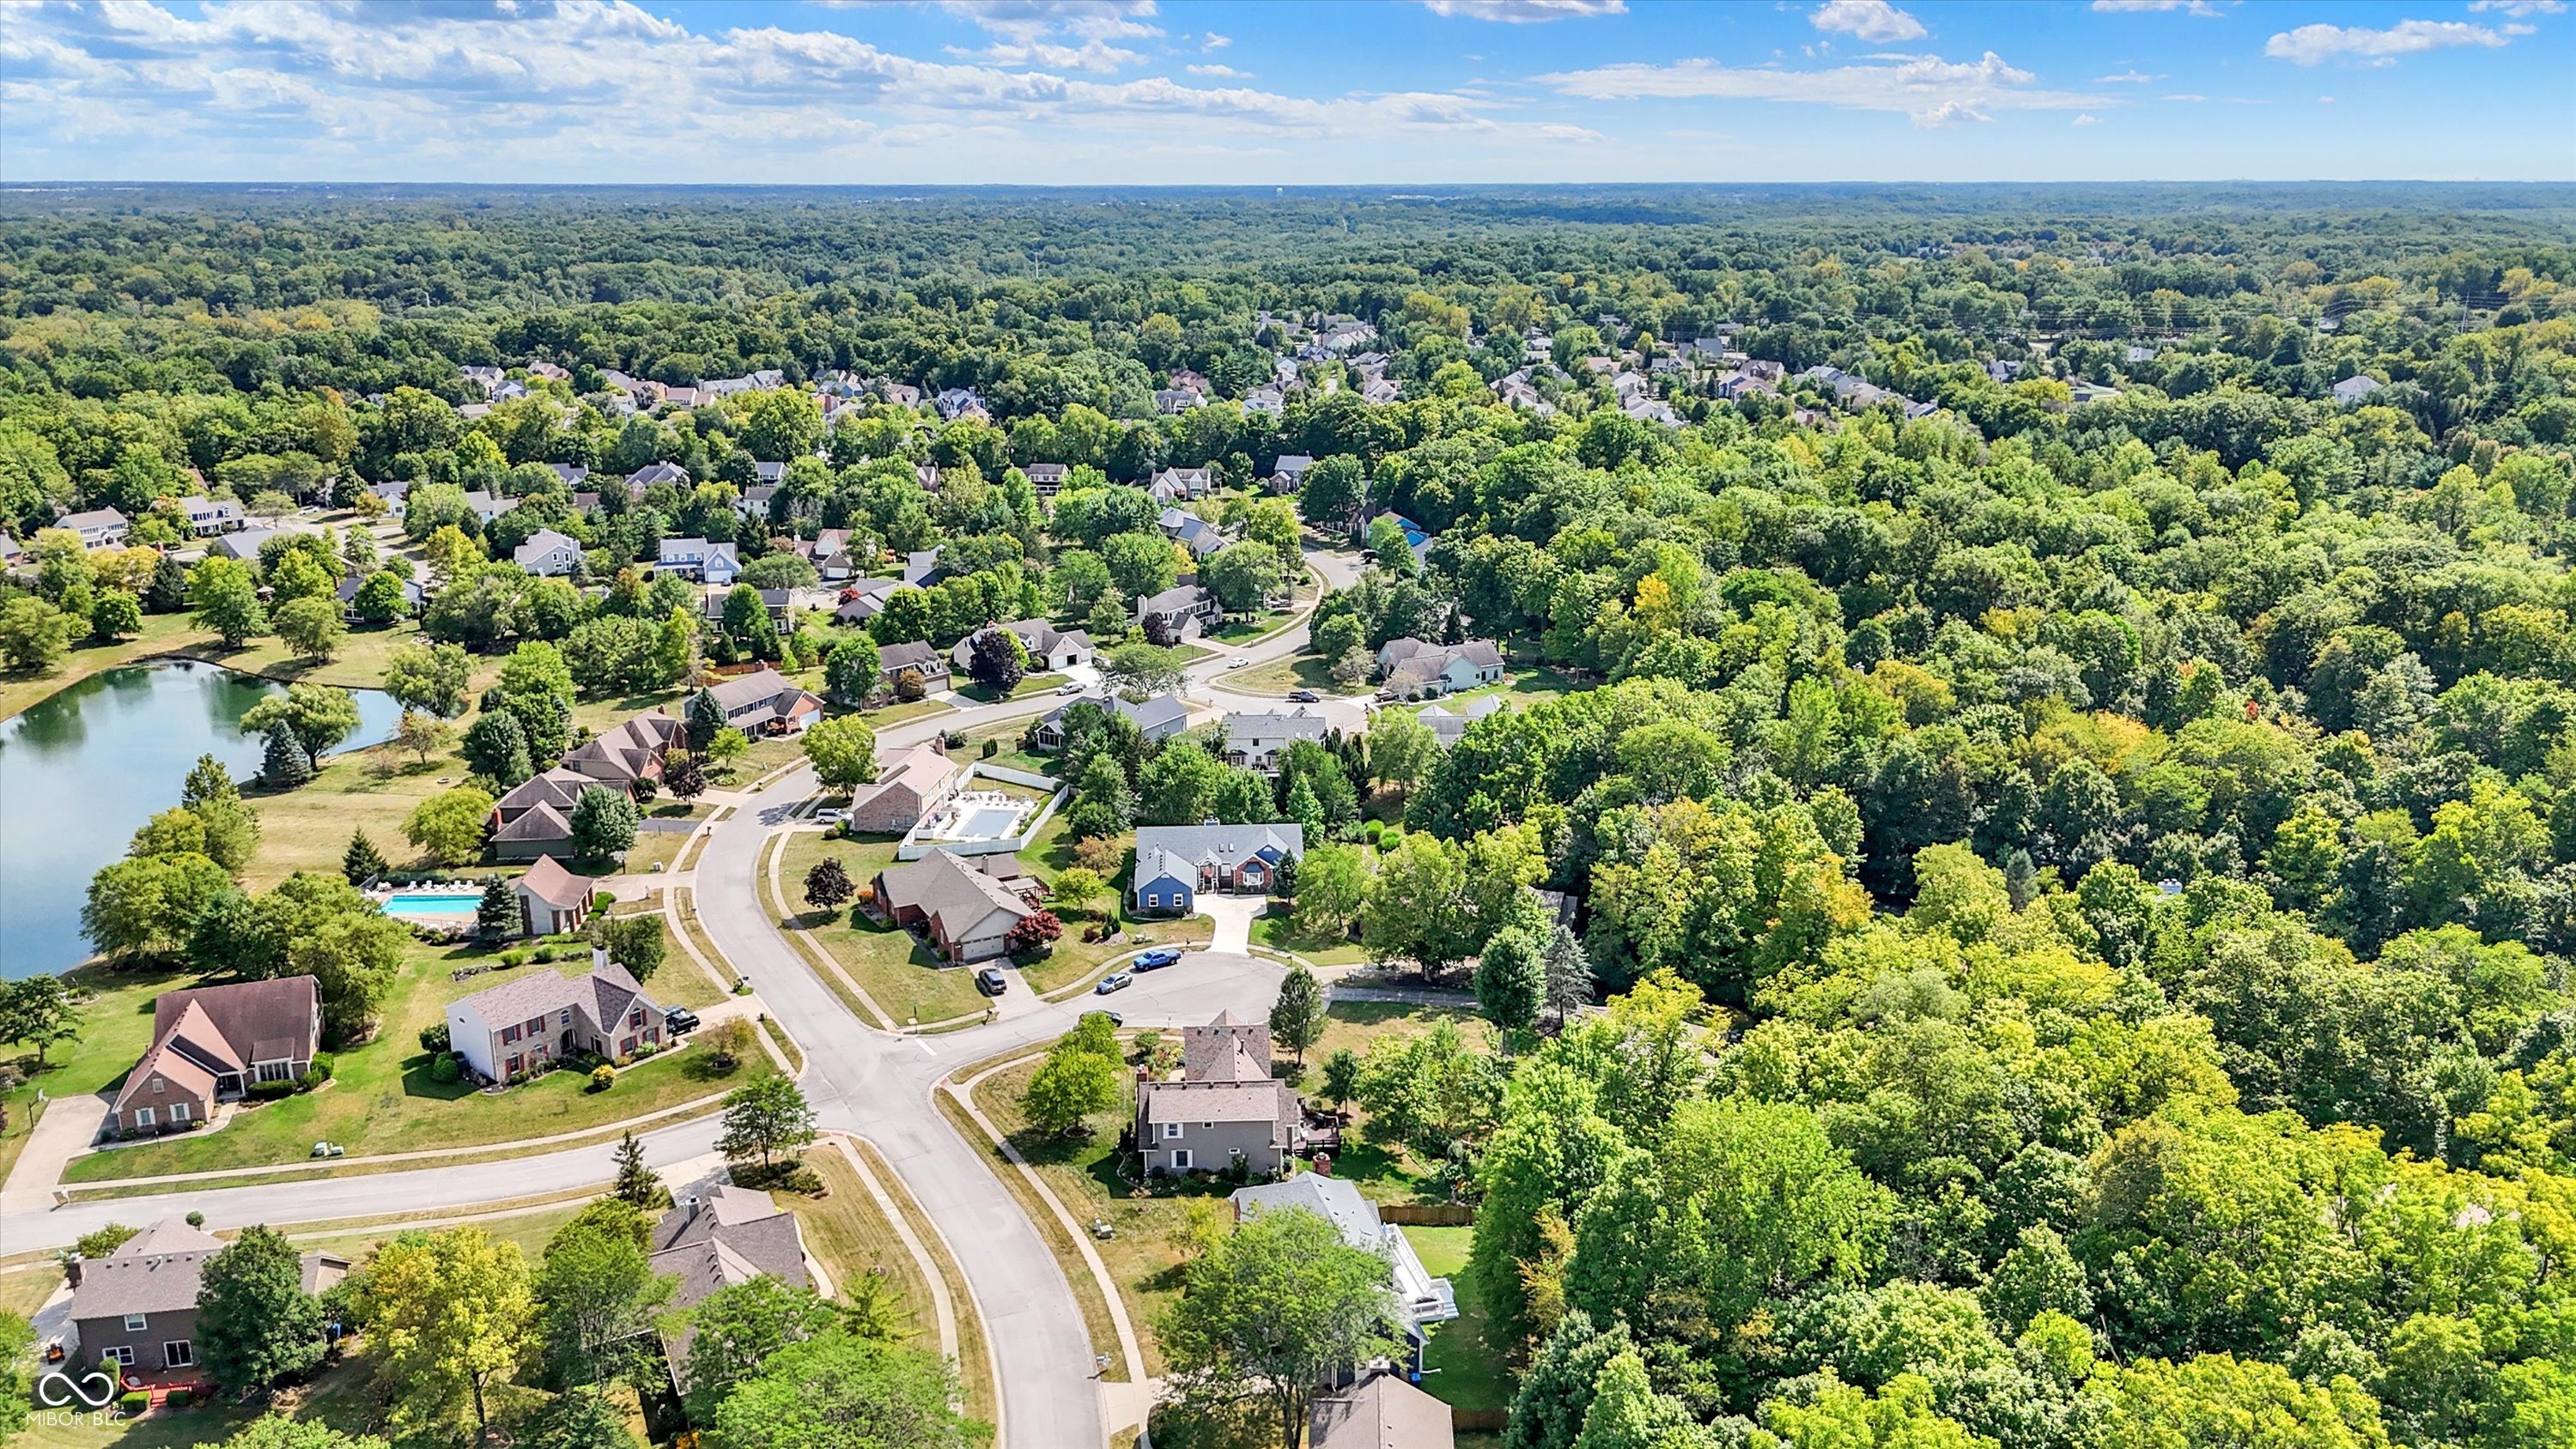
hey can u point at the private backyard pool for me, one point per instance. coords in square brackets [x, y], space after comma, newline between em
[439, 902]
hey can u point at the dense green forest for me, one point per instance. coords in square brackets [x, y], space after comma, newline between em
[2081, 890]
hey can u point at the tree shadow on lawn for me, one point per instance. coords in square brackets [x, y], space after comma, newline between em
[417, 1082]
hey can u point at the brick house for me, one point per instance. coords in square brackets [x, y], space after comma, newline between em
[212, 1043]
[530, 1024]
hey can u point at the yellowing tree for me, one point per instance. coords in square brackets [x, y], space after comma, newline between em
[453, 1315]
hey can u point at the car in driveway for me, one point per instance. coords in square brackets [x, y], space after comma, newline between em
[1115, 981]
[680, 1020]
[830, 817]
[1303, 696]
[1068, 689]
[991, 981]
[1156, 959]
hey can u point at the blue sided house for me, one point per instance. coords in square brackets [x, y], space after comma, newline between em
[1174, 863]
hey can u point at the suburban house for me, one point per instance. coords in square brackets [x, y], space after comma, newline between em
[1289, 473]
[1157, 719]
[1182, 485]
[1186, 610]
[1046, 478]
[725, 1236]
[695, 558]
[525, 1026]
[1381, 1411]
[97, 527]
[137, 1307]
[533, 821]
[908, 787]
[1448, 726]
[208, 516]
[1194, 533]
[548, 554]
[652, 473]
[1174, 863]
[1172, 401]
[572, 474]
[414, 597]
[863, 599]
[1417, 667]
[552, 900]
[1224, 1108]
[1420, 1299]
[929, 663]
[765, 703]
[242, 545]
[1256, 741]
[486, 505]
[2353, 389]
[964, 908]
[1050, 650]
[780, 604]
[632, 751]
[213, 1043]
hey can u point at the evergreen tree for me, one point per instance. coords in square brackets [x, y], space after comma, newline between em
[636, 1185]
[706, 719]
[2021, 879]
[361, 862]
[1297, 1018]
[284, 765]
[1568, 975]
[498, 917]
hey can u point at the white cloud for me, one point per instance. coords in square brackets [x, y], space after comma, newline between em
[2136, 7]
[2317, 44]
[1026, 20]
[1871, 20]
[2087, 119]
[2187, 99]
[1932, 91]
[1217, 70]
[2127, 78]
[1215, 41]
[1527, 12]
[2518, 9]
[1098, 56]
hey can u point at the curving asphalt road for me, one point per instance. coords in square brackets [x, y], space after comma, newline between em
[859, 1079]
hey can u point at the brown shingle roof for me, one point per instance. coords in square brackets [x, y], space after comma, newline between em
[548, 881]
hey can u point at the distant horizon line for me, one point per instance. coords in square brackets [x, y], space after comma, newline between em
[10, 187]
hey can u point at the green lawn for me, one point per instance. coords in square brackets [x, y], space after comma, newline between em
[1466, 1371]
[1275, 933]
[1298, 671]
[1523, 687]
[661, 847]
[1033, 684]
[897, 713]
[116, 1026]
[891, 966]
[308, 828]
[381, 1098]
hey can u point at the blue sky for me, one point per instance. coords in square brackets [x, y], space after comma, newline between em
[1319, 92]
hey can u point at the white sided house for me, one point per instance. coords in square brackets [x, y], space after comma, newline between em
[548, 554]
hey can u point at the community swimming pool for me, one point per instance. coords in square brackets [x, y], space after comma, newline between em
[432, 903]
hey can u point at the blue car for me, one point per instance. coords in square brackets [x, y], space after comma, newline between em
[1157, 959]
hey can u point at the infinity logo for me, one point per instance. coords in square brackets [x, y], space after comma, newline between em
[57, 1383]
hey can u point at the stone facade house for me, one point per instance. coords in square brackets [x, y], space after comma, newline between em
[137, 1307]
[766, 703]
[1256, 741]
[1413, 667]
[526, 1026]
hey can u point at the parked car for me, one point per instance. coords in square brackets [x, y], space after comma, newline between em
[991, 981]
[1303, 696]
[680, 1020]
[830, 817]
[329, 1149]
[1068, 689]
[1156, 959]
[1115, 981]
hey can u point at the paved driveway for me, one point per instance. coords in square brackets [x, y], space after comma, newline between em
[1233, 917]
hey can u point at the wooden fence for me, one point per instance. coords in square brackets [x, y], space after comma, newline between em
[1427, 1214]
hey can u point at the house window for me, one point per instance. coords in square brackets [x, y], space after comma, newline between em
[1180, 1159]
[179, 1353]
[142, 1116]
[121, 1355]
[514, 1066]
[1171, 1131]
[626, 1046]
[136, 1323]
[509, 1034]
[536, 1026]
[276, 1071]
[1153, 900]
[157, 1086]
[563, 1018]
[178, 1111]
[635, 1018]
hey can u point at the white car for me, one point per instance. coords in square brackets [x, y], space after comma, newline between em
[1068, 689]
[830, 817]
[1238, 664]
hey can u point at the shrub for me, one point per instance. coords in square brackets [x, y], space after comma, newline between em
[320, 1070]
[269, 1090]
[443, 1069]
[514, 958]
[196, 1220]
[433, 1038]
[133, 1402]
[992, 748]
[602, 900]
[544, 954]
[177, 1398]
[602, 1078]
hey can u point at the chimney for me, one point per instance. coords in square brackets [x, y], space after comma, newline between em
[599, 958]
[1323, 1164]
[72, 1269]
